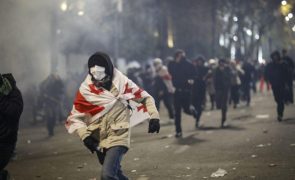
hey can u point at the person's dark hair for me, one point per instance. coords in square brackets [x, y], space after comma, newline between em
[222, 61]
[178, 52]
[201, 58]
[284, 51]
[275, 54]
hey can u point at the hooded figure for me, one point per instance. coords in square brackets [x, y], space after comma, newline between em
[107, 105]
[11, 107]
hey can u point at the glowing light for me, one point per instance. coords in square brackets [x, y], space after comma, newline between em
[249, 32]
[284, 3]
[290, 15]
[170, 38]
[286, 8]
[64, 6]
[293, 28]
[257, 36]
[156, 34]
[81, 13]
[235, 38]
[235, 18]
[287, 18]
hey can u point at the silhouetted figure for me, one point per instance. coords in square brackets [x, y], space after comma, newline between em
[222, 77]
[199, 87]
[182, 72]
[52, 92]
[276, 73]
[289, 61]
[11, 107]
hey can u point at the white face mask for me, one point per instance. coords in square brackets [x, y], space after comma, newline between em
[98, 72]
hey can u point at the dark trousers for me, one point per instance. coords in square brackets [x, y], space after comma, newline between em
[290, 96]
[221, 102]
[6, 152]
[199, 101]
[246, 93]
[167, 99]
[279, 93]
[181, 101]
[234, 94]
[110, 160]
[212, 100]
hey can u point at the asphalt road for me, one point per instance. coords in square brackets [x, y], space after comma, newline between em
[253, 146]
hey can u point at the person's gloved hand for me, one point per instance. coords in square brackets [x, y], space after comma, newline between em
[154, 126]
[91, 143]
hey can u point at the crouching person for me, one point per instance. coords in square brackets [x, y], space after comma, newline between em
[103, 113]
[11, 107]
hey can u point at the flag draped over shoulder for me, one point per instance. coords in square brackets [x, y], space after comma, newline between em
[91, 102]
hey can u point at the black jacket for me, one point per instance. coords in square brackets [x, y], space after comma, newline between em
[276, 74]
[11, 107]
[181, 72]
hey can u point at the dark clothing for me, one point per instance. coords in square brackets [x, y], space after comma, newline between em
[110, 160]
[181, 101]
[277, 74]
[222, 82]
[234, 95]
[11, 107]
[199, 90]
[290, 64]
[247, 80]
[161, 93]
[181, 73]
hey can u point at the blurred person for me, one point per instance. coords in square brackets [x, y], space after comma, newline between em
[163, 87]
[236, 71]
[52, 93]
[147, 77]
[276, 73]
[11, 107]
[246, 80]
[182, 72]
[134, 71]
[210, 83]
[222, 82]
[199, 87]
[289, 61]
[102, 113]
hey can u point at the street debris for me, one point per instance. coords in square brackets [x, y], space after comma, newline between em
[167, 146]
[59, 178]
[260, 145]
[188, 168]
[292, 145]
[265, 131]
[234, 168]
[136, 159]
[253, 177]
[219, 173]
[262, 116]
[272, 165]
[254, 156]
[29, 141]
[133, 171]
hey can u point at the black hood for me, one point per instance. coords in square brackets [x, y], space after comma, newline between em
[103, 60]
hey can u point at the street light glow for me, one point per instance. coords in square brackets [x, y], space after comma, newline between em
[284, 3]
[249, 32]
[293, 28]
[257, 36]
[64, 6]
[287, 18]
[235, 18]
[235, 38]
[81, 13]
[290, 15]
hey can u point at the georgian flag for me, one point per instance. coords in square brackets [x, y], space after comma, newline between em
[91, 102]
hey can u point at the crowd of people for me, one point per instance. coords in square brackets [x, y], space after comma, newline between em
[103, 99]
[190, 85]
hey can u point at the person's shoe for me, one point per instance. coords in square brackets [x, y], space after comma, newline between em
[197, 125]
[280, 118]
[178, 135]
